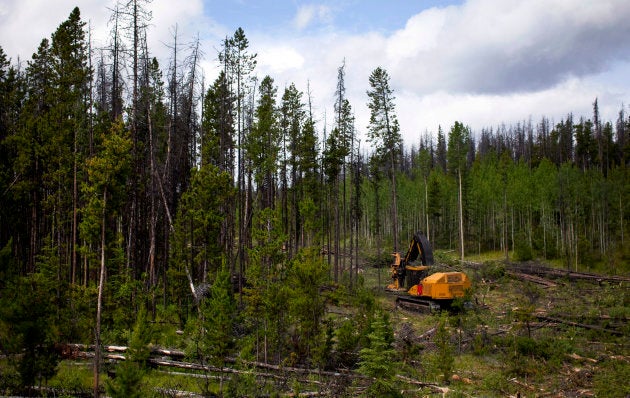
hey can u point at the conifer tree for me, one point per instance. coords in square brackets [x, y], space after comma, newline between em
[70, 114]
[384, 134]
[292, 120]
[263, 145]
[239, 64]
[458, 146]
[104, 192]
[378, 359]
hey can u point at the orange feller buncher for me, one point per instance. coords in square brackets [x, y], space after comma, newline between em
[436, 290]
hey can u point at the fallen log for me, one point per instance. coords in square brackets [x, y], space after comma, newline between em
[564, 273]
[532, 278]
[209, 368]
[173, 353]
[434, 387]
[580, 325]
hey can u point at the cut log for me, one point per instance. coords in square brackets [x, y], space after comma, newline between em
[532, 278]
[580, 325]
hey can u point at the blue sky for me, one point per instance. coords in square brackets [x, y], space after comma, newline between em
[348, 16]
[481, 62]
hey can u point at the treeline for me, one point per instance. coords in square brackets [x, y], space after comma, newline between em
[529, 190]
[125, 184]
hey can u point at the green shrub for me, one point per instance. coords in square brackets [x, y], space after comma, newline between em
[492, 270]
[523, 250]
[612, 379]
[73, 379]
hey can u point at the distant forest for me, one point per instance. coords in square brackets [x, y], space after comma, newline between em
[143, 185]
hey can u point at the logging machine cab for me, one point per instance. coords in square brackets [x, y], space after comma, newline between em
[414, 266]
[411, 274]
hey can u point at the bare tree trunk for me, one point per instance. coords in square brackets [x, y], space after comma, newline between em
[505, 227]
[153, 212]
[75, 199]
[461, 217]
[99, 303]
[394, 204]
[426, 206]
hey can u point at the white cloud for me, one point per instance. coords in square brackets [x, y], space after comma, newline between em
[486, 46]
[280, 59]
[483, 62]
[24, 23]
[311, 13]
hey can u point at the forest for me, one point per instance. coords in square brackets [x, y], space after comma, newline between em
[140, 207]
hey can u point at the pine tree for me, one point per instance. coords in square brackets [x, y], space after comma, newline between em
[458, 147]
[11, 102]
[239, 65]
[213, 331]
[378, 360]
[384, 134]
[132, 371]
[197, 248]
[104, 192]
[70, 115]
[263, 144]
[291, 121]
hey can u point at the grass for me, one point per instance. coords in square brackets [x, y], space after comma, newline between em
[503, 356]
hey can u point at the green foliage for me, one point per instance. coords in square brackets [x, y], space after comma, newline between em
[522, 249]
[107, 174]
[347, 341]
[445, 355]
[492, 271]
[307, 275]
[378, 360]
[383, 130]
[130, 374]
[242, 385]
[527, 356]
[128, 381]
[212, 333]
[73, 379]
[196, 241]
[458, 147]
[32, 328]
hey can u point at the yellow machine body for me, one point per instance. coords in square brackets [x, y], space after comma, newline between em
[442, 286]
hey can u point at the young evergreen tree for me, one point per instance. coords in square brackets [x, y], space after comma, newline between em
[378, 360]
[213, 331]
[197, 249]
[130, 374]
[306, 306]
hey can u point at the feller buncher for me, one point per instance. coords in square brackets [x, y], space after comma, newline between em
[423, 291]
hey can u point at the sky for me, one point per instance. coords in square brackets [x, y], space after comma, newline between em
[481, 62]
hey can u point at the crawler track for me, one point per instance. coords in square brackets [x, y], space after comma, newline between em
[418, 304]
